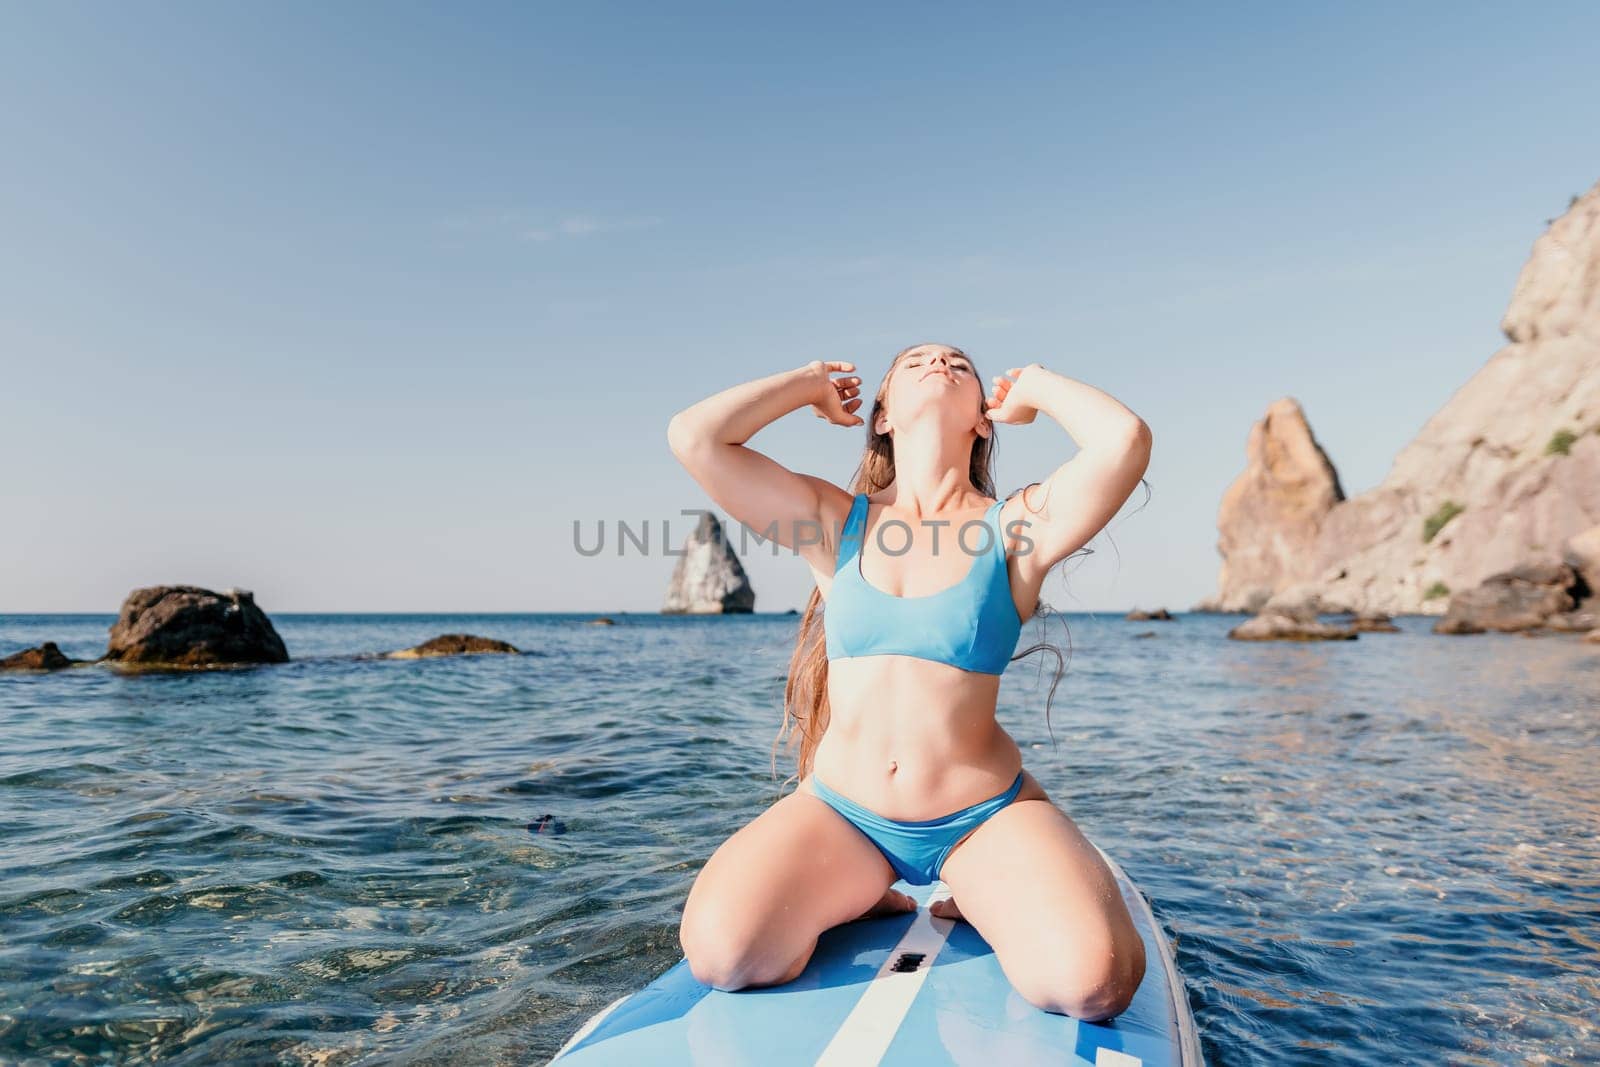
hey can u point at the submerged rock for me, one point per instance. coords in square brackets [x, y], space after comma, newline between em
[187, 626]
[456, 645]
[47, 657]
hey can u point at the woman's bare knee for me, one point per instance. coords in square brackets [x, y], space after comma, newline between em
[757, 908]
[737, 934]
[726, 965]
[1090, 990]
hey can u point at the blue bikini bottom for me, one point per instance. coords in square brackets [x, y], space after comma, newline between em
[916, 850]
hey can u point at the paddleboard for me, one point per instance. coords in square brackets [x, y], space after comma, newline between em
[895, 991]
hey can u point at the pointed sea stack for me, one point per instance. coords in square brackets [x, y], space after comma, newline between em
[709, 579]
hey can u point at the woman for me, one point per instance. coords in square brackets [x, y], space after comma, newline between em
[904, 770]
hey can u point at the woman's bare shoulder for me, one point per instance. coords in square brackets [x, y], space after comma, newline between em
[833, 509]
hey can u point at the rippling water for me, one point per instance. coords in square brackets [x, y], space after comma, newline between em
[1378, 851]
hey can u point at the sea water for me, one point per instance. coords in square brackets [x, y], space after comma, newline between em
[1371, 852]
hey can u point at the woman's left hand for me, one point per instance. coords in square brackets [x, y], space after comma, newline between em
[1009, 403]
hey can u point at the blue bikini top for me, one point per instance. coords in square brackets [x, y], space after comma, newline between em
[973, 624]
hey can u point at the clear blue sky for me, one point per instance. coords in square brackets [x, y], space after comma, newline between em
[360, 306]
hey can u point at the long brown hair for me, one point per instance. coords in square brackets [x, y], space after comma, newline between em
[805, 696]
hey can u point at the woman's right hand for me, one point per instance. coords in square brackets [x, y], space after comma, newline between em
[837, 398]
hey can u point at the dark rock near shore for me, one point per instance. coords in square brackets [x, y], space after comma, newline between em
[186, 626]
[47, 657]
[1523, 598]
[456, 645]
[603, 621]
[1158, 615]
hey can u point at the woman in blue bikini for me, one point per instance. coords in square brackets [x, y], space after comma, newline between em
[904, 771]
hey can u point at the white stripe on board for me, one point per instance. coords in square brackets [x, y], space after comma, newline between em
[866, 1032]
[1110, 1057]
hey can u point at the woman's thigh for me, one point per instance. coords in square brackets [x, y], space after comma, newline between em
[758, 905]
[1041, 896]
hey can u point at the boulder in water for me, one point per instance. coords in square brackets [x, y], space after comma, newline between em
[47, 657]
[456, 645]
[1522, 598]
[1271, 626]
[1291, 615]
[186, 626]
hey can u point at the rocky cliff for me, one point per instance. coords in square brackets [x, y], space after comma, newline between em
[1505, 474]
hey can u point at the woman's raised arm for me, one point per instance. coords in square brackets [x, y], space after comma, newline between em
[1080, 496]
[709, 437]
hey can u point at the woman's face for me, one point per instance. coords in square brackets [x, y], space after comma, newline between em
[933, 382]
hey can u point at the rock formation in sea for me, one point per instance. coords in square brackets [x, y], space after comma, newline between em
[1535, 596]
[47, 657]
[1272, 514]
[1291, 615]
[186, 626]
[709, 579]
[1501, 477]
[455, 645]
